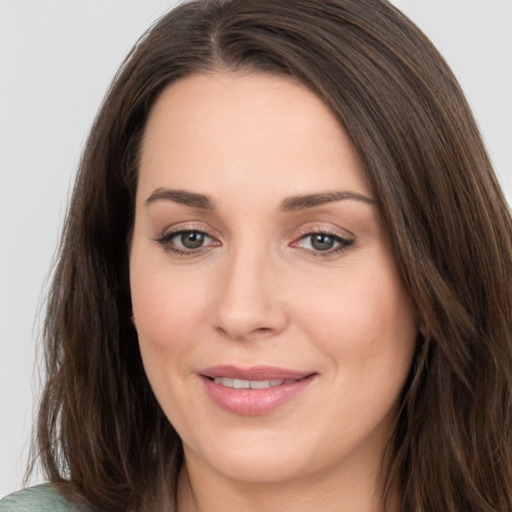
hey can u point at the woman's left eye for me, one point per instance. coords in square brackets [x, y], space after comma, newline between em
[323, 244]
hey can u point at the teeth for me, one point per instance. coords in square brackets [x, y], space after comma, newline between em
[250, 384]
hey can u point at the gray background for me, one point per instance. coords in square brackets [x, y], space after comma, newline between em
[57, 58]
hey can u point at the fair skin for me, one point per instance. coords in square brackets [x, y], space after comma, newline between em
[250, 277]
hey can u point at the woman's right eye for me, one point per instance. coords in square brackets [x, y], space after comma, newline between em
[185, 242]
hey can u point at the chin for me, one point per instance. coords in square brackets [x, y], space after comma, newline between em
[253, 459]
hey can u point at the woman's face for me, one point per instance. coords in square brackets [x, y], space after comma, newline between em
[273, 323]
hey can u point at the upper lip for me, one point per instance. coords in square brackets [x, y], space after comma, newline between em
[253, 373]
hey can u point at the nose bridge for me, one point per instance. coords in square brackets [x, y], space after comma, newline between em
[248, 303]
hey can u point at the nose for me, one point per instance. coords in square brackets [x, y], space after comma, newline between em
[249, 304]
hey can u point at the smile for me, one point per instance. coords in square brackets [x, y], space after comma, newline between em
[254, 391]
[250, 384]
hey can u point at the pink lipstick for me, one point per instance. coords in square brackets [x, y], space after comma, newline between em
[253, 391]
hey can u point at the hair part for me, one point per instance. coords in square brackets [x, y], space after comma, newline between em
[102, 436]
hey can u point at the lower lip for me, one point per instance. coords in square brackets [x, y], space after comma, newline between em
[254, 402]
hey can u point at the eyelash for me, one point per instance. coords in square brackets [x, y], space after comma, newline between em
[344, 243]
[166, 242]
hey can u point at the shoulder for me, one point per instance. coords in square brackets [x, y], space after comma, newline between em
[41, 498]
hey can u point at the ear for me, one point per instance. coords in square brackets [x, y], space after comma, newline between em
[132, 316]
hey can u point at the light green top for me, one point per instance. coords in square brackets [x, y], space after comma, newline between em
[41, 498]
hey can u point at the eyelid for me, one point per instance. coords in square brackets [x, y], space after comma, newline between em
[344, 241]
[313, 228]
[167, 234]
[187, 226]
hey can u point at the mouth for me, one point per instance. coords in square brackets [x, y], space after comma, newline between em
[250, 384]
[253, 391]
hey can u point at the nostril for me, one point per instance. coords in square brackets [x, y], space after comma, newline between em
[243, 319]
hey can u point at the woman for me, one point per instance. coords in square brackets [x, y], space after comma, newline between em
[283, 282]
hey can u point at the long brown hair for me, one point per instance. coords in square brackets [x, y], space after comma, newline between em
[101, 434]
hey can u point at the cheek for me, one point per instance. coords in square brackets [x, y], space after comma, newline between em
[168, 307]
[366, 322]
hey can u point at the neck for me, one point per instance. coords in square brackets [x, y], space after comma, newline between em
[350, 491]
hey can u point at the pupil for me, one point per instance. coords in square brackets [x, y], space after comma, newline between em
[192, 240]
[322, 242]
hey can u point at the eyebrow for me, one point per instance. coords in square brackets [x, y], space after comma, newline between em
[290, 204]
[303, 202]
[184, 197]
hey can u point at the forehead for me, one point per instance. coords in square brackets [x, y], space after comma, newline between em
[218, 132]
